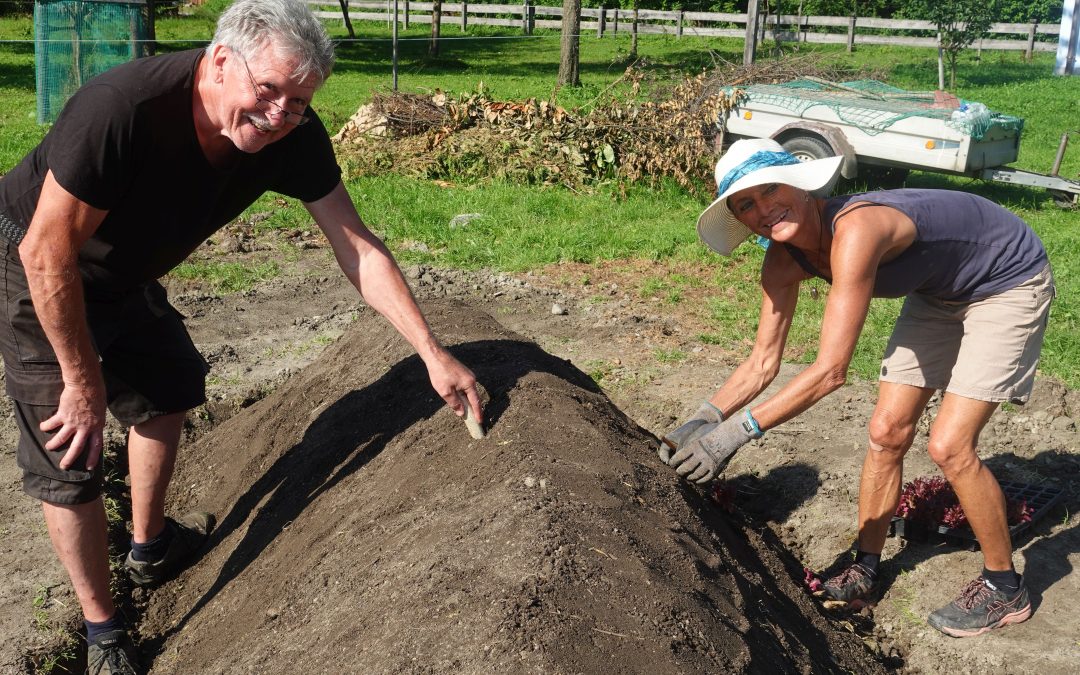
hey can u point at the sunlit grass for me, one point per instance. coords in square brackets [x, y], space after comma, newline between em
[525, 228]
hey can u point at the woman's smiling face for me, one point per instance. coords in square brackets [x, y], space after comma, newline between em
[772, 210]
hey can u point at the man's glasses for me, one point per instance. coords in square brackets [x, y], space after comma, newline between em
[267, 106]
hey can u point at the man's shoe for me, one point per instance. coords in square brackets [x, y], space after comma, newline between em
[855, 584]
[189, 534]
[981, 608]
[112, 653]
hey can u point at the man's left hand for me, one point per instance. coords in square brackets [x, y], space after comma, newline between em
[707, 452]
[452, 380]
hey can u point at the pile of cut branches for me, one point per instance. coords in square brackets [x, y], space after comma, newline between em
[641, 129]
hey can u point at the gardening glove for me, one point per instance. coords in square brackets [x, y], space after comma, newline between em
[708, 450]
[671, 441]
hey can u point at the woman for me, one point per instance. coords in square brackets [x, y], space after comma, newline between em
[978, 287]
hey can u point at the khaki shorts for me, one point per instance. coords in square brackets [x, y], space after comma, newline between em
[985, 350]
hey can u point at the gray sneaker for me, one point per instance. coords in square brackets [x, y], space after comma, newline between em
[189, 534]
[112, 653]
[981, 608]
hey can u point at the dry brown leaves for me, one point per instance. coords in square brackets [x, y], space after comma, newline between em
[642, 129]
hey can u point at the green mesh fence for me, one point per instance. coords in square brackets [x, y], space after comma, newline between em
[74, 40]
[874, 106]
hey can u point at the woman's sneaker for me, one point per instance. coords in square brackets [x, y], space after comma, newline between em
[189, 534]
[981, 608]
[855, 585]
[112, 653]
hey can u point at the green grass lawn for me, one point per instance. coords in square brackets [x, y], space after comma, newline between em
[528, 227]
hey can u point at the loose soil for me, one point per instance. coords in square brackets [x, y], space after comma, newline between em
[363, 530]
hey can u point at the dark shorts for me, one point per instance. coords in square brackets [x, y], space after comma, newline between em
[149, 363]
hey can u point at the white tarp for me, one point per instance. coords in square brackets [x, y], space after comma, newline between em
[1068, 52]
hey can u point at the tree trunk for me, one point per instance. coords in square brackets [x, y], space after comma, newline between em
[633, 33]
[571, 27]
[345, 15]
[436, 24]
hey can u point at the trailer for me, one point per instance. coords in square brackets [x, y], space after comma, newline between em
[883, 132]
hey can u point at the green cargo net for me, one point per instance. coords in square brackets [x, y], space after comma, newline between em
[874, 106]
[74, 40]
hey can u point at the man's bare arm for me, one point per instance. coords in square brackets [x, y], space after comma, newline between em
[372, 269]
[61, 225]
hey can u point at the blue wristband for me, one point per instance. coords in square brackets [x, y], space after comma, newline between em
[751, 426]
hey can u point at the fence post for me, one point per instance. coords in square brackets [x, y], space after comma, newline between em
[525, 17]
[615, 24]
[532, 19]
[600, 19]
[394, 54]
[940, 64]
[1030, 51]
[851, 33]
[750, 42]
[406, 14]
[678, 24]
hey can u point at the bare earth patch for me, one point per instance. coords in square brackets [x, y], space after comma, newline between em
[363, 530]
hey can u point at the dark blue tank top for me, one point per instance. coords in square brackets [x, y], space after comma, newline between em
[966, 247]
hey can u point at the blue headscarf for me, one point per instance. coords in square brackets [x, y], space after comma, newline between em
[759, 160]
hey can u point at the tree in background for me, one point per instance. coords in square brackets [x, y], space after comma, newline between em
[959, 22]
[1029, 11]
[570, 58]
[345, 15]
[436, 25]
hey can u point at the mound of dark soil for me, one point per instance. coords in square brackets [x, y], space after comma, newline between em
[363, 530]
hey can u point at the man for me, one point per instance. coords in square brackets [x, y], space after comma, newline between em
[978, 287]
[143, 164]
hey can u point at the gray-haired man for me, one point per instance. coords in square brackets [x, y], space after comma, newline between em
[143, 164]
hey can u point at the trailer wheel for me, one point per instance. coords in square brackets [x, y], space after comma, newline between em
[807, 148]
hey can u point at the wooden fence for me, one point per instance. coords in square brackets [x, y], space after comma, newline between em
[786, 28]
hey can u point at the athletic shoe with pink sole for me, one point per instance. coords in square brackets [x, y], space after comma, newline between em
[981, 608]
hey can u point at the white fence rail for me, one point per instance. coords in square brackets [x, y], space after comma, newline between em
[782, 28]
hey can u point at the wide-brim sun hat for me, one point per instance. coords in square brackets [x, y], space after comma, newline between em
[758, 161]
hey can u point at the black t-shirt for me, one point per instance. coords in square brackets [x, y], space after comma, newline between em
[126, 143]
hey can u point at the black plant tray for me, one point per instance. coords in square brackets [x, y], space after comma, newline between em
[1039, 498]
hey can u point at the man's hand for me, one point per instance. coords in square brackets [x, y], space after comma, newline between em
[80, 419]
[452, 380]
[674, 439]
[707, 452]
